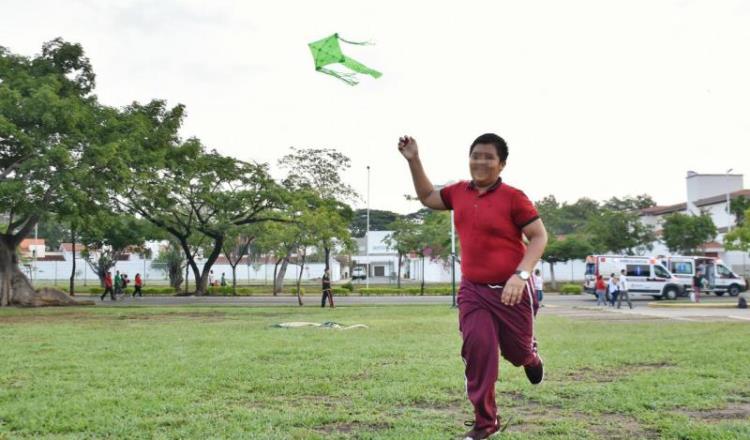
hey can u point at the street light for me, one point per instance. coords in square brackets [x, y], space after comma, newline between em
[367, 234]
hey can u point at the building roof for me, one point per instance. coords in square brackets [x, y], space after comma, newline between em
[722, 198]
[223, 260]
[68, 247]
[668, 209]
[664, 209]
[26, 242]
[51, 257]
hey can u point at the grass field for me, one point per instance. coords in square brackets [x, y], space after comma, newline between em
[223, 372]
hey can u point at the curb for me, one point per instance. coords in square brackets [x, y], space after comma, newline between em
[693, 305]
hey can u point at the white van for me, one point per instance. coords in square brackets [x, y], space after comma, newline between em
[646, 275]
[720, 278]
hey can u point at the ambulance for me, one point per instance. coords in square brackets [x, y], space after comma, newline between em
[720, 278]
[647, 276]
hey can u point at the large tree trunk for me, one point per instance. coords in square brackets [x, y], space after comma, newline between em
[275, 271]
[299, 279]
[202, 288]
[234, 279]
[278, 282]
[72, 289]
[328, 257]
[15, 287]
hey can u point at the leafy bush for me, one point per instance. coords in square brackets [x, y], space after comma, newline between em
[571, 289]
[348, 286]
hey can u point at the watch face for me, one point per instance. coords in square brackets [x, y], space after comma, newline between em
[523, 274]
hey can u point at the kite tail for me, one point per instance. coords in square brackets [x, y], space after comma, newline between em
[360, 68]
[358, 43]
[348, 78]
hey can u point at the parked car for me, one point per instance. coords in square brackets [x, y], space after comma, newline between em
[358, 273]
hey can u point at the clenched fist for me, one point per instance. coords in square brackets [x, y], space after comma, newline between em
[407, 145]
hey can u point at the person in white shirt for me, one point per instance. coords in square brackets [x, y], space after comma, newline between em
[539, 286]
[623, 285]
[613, 288]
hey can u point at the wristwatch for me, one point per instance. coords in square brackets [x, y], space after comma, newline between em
[523, 274]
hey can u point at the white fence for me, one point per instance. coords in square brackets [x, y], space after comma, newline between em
[57, 271]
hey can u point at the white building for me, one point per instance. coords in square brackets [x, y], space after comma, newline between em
[383, 262]
[709, 193]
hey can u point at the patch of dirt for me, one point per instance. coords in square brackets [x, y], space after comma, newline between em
[529, 416]
[616, 426]
[733, 411]
[588, 374]
[353, 427]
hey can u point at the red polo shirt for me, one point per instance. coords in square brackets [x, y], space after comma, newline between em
[489, 227]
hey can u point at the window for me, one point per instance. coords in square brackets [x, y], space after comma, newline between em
[682, 267]
[661, 272]
[590, 268]
[379, 271]
[638, 270]
[724, 272]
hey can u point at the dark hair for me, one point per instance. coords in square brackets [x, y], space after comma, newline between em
[491, 138]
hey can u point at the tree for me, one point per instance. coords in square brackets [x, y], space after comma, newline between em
[572, 247]
[171, 259]
[236, 247]
[315, 172]
[185, 190]
[629, 203]
[620, 232]
[563, 218]
[108, 236]
[739, 206]
[684, 234]
[379, 221]
[48, 123]
[738, 239]
[401, 240]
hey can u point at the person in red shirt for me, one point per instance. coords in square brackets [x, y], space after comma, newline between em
[138, 285]
[496, 301]
[108, 287]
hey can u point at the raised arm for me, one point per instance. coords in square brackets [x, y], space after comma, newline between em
[428, 195]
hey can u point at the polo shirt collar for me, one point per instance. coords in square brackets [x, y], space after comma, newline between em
[496, 185]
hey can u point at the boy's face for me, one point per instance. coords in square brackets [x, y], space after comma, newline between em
[485, 165]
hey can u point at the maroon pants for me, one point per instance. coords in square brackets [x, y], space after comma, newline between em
[490, 328]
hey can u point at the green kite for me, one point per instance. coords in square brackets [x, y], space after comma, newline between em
[328, 51]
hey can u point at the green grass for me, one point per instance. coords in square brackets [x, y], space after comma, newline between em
[223, 372]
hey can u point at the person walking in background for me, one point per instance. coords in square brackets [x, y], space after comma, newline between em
[601, 291]
[138, 285]
[108, 287]
[327, 292]
[539, 286]
[613, 287]
[223, 279]
[623, 288]
[698, 281]
[118, 283]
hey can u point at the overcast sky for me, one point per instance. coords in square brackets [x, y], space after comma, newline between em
[595, 98]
